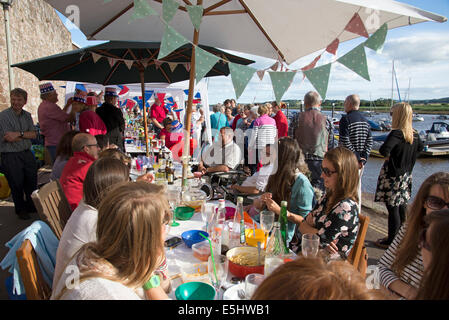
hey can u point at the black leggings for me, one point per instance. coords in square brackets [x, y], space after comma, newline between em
[396, 217]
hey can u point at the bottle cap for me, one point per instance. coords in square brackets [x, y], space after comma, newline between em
[284, 203]
[239, 199]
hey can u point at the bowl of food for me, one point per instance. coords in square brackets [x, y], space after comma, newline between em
[196, 272]
[244, 260]
[201, 250]
[184, 213]
[195, 291]
[194, 198]
[193, 236]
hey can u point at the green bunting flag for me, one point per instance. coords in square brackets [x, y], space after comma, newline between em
[142, 9]
[240, 76]
[171, 41]
[281, 81]
[377, 39]
[204, 61]
[356, 61]
[319, 78]
[169, 8]
[196, 14]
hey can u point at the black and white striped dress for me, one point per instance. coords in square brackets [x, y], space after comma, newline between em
[411, 274]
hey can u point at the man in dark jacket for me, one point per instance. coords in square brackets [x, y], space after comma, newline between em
[112, 118]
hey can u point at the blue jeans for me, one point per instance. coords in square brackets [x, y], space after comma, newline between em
[315, 170]
[52, 151]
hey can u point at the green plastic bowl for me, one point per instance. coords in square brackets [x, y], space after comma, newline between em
[184, 213]
[195, 291]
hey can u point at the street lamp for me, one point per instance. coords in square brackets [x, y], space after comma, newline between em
[6, 4]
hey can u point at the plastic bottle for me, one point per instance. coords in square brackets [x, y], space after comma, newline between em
[275, 252]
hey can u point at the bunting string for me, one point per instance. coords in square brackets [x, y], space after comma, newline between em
[281, 76]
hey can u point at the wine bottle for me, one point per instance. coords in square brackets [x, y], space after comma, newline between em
[284, 225]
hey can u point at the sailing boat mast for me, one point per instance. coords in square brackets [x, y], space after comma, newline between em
[392, 84]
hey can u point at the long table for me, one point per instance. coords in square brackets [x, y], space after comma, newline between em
[182, 255]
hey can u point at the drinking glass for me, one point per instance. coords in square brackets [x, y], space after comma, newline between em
[218, 275]
[266, 223]
[252, 281]
[174, 199]
[310, 244]
[206, 212]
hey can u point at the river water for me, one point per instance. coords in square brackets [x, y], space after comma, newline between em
[424, 167]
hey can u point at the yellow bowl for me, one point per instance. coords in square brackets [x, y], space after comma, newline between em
[252, 240]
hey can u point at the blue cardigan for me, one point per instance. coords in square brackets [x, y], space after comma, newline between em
[44, 242]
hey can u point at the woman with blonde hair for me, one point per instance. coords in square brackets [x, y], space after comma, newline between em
[401, 266]
[314, 279]
[335, 217]
[129, 247]
[394, 185]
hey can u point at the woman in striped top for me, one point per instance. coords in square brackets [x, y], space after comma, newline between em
[401, 266]
[263, 133]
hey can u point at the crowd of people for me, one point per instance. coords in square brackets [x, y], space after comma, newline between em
[115, 235]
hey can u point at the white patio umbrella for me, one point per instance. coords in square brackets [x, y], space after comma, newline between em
[285, 30]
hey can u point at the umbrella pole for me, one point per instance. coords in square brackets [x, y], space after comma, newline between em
[142, 84]
[188, 116]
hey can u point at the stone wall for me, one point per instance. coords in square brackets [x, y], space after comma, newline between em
[36, 31]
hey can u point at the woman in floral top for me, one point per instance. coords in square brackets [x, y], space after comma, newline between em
[335, 218]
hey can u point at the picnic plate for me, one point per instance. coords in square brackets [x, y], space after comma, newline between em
[231, 293]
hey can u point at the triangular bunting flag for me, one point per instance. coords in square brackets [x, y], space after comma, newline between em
[95, 57]
[319, 78]
[356, 26]
[356, 61]
[196, 14]
[142, 9]
[377, 39]
[332, 48]
[171, 41]
[204, 61]
[111, 62]
[187, 66]
[261, 73]
[240, 76]
[158, 63]
[169, 8]
[129, 63]
[145, 62]
[312, 64]
[172, 66]
[275, 66]
[281, 81]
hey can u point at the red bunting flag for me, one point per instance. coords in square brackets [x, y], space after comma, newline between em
[356, 26]
[332, 48]
[312, 64]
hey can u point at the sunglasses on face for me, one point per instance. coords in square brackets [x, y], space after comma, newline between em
[327, 171]
[423, 241]
[436, 203]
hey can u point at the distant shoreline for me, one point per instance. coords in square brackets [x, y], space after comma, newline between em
[416, 109]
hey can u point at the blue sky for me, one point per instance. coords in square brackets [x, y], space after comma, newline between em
[421, 54]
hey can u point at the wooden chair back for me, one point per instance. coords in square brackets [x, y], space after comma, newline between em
[358, 256]
[35, 286]
[52, 206]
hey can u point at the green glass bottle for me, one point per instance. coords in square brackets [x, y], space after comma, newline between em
[284, 225]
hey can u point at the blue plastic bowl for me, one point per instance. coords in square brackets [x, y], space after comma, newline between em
[195, 291]
[193, 236]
